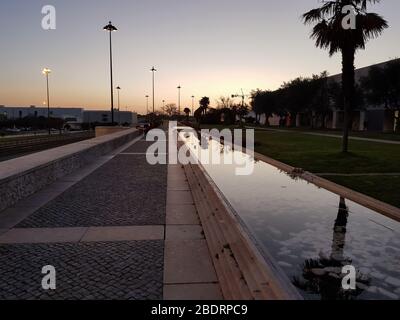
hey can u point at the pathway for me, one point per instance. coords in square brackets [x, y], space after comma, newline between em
[118, 229]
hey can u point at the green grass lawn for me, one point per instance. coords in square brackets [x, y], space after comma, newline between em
[392, 136]
[322, 155]
[384, 188]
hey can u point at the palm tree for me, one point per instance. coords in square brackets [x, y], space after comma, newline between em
[329, 33]
[204, 104]
[187, 113]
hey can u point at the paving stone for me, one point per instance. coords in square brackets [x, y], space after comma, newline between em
[179, 197]
[12, 216]
[139, 147]
[182, 232]
[126, 191]
[188, 261]
[43, 235]
[178, 185]
[182, 215]
[124, 233]
[87, 271]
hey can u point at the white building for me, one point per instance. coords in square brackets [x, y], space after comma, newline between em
[121, 117]
[68, 114]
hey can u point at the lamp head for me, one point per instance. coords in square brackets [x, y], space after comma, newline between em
[110, 27]
[46, 71]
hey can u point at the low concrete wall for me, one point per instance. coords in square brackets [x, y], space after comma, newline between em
[103, 131]
[22, 177]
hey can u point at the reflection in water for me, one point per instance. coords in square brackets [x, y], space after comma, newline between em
[323, 275]
[292, 219]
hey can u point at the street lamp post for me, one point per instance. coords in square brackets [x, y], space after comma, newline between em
[147, 104]
[193, 105]
[110, 28]
[153, 70]
[179, 99]
[119, 109]
[46, 72]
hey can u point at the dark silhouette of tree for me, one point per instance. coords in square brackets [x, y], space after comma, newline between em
[329, 33]
[204, 104]
[225, 103]
[170, 109]
[264, 102]
[323, 275]
[242, 110]
[382, 87]
[296, 97]
[187, 113]
[321, 104]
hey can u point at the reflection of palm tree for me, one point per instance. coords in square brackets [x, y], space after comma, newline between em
[323, 275]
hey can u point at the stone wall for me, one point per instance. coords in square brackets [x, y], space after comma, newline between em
[24, 176]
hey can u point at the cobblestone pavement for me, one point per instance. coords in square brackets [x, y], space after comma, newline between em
[85, 271]
[140, 147]
[126, 191]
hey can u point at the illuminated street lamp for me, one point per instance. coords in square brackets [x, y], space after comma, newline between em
[179, 99]
[153, 70]
[119, 110]
[46, 72]
[110, 28]
[147, 104]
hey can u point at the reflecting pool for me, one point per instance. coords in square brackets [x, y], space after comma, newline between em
[312, 233]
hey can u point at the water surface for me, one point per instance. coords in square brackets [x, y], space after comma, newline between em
[312, 233]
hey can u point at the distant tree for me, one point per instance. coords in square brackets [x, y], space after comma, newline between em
[256, 103]
[197, 115]
[321, 104]
[242, 111]
[296, 97]
[225, 103]
[337, 98]
[382, 87]
[170, 109]
[187, 113]
[264, 102]
[204, 104]
[329, 33]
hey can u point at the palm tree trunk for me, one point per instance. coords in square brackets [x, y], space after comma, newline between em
[339, 232]
[348, 84]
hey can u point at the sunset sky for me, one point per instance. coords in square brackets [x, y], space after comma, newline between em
[210, 47]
